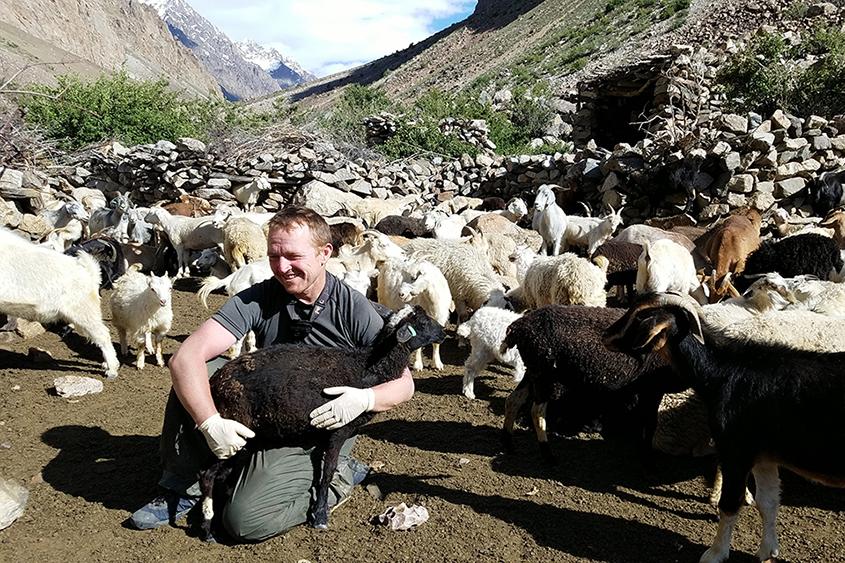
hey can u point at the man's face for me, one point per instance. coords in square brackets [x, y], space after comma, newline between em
[296, 262]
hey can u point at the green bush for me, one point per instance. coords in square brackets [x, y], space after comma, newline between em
[78, 113]
[763, 76]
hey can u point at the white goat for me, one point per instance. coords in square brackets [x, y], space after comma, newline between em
[549, 220]
[224, 213]
[590, 232]
[563, 280]
[60, 213]
[40, 284]
[666, 266]
[774, 292]
[486, 330]
[403, 281]
[186, 233]
[60, 238]
[111, 217]
[444, 227]
[142, 313]
[249, 275]
[373, 210]
[247, 194]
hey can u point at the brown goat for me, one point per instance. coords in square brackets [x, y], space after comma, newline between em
[726, 246]
[836, 220]
[345, 233]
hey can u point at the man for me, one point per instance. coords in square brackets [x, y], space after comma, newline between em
[300, 303]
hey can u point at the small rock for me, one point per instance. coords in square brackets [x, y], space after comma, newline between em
[403, 517]
[734, 123]
[76, 386]
[532, 492]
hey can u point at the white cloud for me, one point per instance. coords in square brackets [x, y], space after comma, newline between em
[326, 36]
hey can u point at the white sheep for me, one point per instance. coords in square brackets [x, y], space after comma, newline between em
[486, 330]
[561, 280]
[186, 233]
[522, 258]
[443, 226]
[665, 266]
[549, 220]
[406, 281]
[142, 313]
[243, 242]
[247, 194]
[774, 292]
[249, 275]
[40, 284]
[472, 280]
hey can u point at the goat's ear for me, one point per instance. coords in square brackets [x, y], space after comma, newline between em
[405, 333]
[651, 335]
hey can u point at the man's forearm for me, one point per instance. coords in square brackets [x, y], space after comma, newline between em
[394, 392]
[190, 382]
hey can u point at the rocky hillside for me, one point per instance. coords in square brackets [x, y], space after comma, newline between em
[89, 36]
[560, 41]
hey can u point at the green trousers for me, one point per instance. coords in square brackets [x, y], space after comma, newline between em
[273, 491]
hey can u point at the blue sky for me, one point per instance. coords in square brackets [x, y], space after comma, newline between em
[327, 36]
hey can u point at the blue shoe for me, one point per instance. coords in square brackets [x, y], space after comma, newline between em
[164, 509]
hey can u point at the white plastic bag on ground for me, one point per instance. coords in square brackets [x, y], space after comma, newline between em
[13, 499]
[403, 517]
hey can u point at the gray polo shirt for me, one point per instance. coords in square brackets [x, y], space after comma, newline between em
[347, 319]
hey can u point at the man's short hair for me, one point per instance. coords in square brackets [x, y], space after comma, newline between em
[293, 215]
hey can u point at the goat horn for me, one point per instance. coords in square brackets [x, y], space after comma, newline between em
[689, 305]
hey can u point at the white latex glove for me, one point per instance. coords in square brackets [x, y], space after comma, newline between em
[224, 436]
[338, 412]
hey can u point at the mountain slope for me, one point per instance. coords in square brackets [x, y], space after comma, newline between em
[284, 70]
[518, 43]
[89, 36]
[238, 78]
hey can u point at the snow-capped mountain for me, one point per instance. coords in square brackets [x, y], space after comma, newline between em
[282, 69]
[238, 78]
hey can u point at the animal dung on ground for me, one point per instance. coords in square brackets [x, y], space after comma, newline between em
[13, 499]
[76, 386]
[403, 517]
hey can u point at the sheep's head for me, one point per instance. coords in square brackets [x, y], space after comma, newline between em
[414, 328]
[652, 322]
[161, 287]
[771, 291]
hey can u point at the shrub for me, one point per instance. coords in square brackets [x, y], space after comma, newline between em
[345, 122]
[77, 113]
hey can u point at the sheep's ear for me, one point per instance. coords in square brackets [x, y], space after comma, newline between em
[405, 333]
[651, 335]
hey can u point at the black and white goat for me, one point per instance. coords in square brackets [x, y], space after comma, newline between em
[766, 405]
[273, 390]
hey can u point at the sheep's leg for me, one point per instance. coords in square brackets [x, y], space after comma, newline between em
[513, 404]
[768, 501]
[716, 492]
[476, 362]
[538, 417]
[518, 369]
[124, 345]
[733, 488]
[218, 471]
[320, 515]
[139, 355]
[435, 356]
[235, 350]
[418, 361]
[181, 262]
[148, 343]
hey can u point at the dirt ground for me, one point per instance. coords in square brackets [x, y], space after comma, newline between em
[90, 462]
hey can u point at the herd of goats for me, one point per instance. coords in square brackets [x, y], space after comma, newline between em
[747, 313]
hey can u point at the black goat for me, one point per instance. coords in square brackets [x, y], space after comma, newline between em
[621, 266]
[826, 192]
[109, 255]
[566, 360]
[810, 253]
[272, 391]
[767, 406]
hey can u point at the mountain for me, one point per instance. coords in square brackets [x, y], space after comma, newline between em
[238, 78]
[47, 38]
[284, 70]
